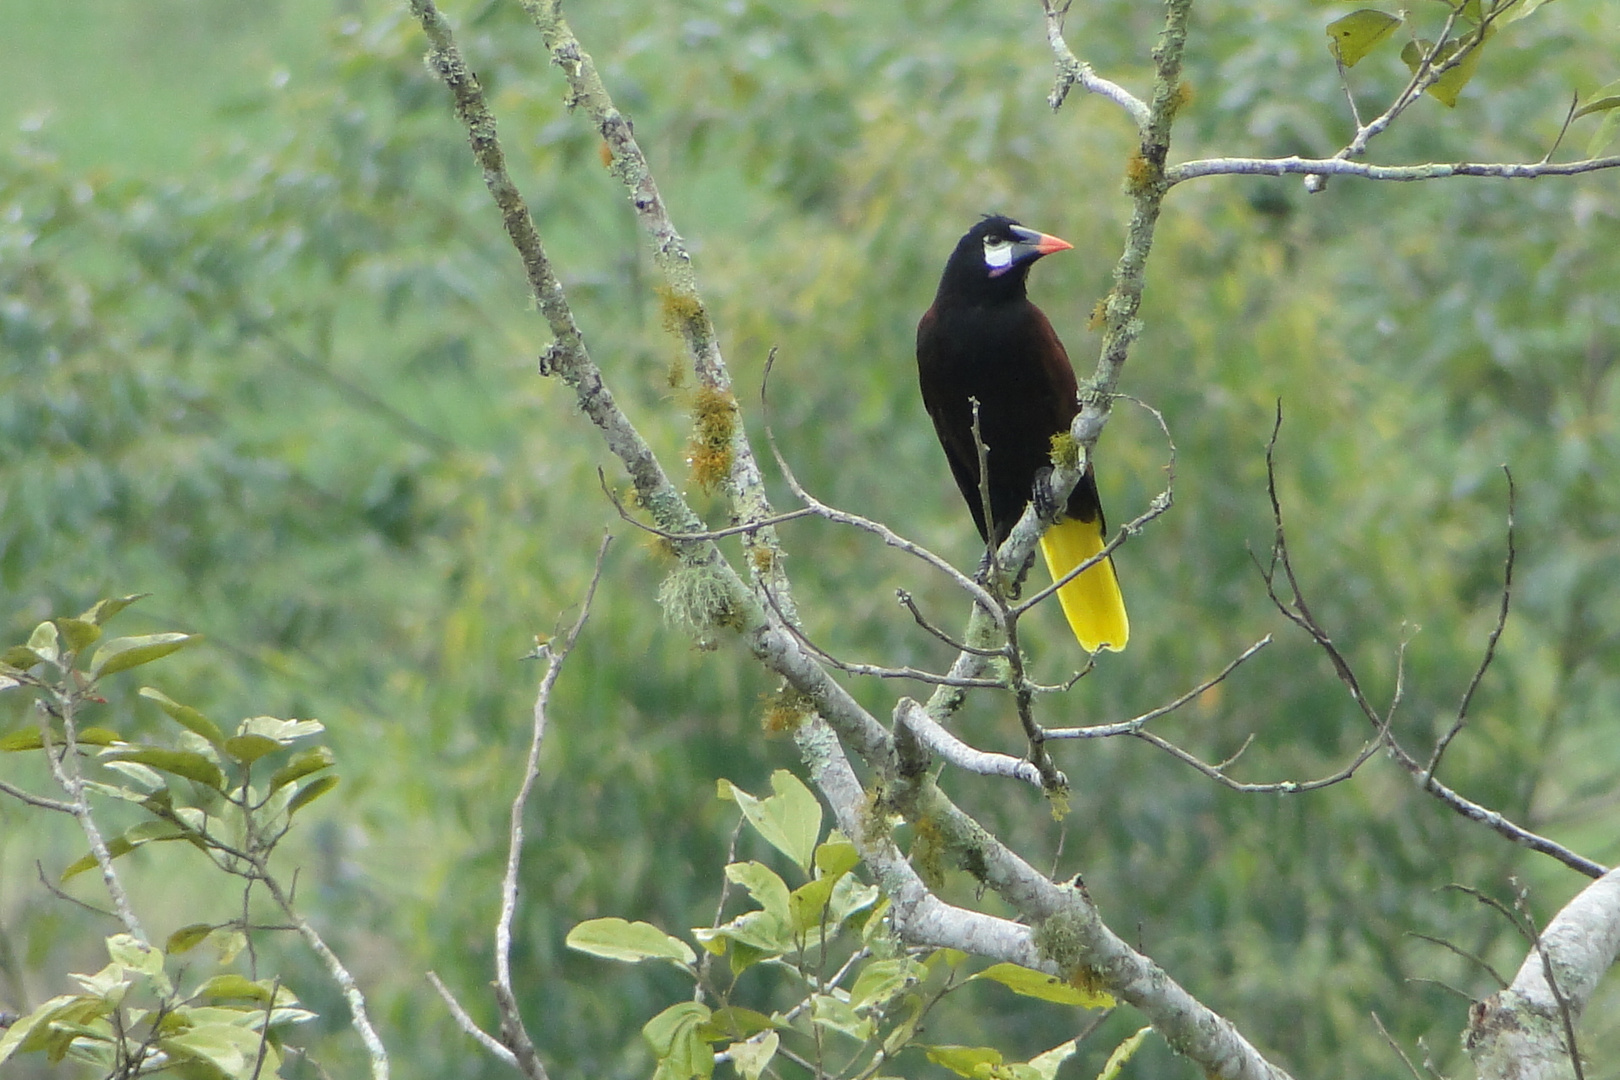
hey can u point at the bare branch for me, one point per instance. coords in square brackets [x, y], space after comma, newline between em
[1395, 1046]
[1072, 72]
[514, 1034]
[844, 517]
[911, 720]
[359, 1018]
[31, 799]
[64, 768]
[711, 534]
[467, 1024]
[1297, 611]
[1525, 1030]
[1490, 644]
[1297, 166]
[1135, 724]
[878, 670]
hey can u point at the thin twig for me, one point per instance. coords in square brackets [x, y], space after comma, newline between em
[876, 670]
[960, 646]
[712, 534]
[31, 799]
[1072, 72]
[1395, 1046]
[359, 1018]
[467, 1024]
[1297, 611]
[843, 517]
[513, 1031]
[1490, 644]
[65, 771]
[1135, 724]
[1501, 983]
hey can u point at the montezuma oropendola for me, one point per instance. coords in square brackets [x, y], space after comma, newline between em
[983, 339]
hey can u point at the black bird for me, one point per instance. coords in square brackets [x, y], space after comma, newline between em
[983, 339]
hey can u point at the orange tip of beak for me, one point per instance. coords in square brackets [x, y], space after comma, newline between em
[1048, 244]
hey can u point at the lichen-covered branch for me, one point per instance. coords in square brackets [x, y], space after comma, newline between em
[1522, 1032]
[1236, 166]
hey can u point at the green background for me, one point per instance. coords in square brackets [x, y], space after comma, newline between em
[266, 356]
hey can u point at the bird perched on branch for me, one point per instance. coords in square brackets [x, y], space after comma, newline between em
[983, 339]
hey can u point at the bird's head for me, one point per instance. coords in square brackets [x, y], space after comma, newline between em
[994, 257]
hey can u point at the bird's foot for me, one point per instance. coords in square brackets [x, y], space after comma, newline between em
[1046, 504]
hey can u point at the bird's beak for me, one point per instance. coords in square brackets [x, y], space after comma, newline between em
[1032, 244]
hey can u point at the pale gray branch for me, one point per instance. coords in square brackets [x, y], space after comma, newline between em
[1238, 166]
[1519, 1032]
[910, 718]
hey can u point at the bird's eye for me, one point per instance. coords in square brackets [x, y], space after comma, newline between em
[998, 254]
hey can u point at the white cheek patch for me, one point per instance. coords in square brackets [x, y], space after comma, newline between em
[998, 256]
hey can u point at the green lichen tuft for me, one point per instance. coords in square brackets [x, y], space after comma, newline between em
[697, 600]
[1061, 939]
[1065, 452]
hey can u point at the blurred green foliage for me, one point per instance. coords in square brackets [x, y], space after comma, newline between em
[290, 391]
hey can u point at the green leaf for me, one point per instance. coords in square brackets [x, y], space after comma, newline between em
[1359, 33]
[284, 732]
[1038, 984]
[231, 1048]
[233, 987]
[310, 792]
[750, 1058]
[185, 716]
[106, 609]
[301, 765]
[1524, 10]
[735, 1022]
[631, 942]
[1045, 1066]
[43, 641]
[76, 633]
[135, 836]
[807, 905]
[836, 855]
[677, 1043]
[1122, 1054]
[31, 739]
[187, 938]
[971, 1061]
[1604, 136]
[184, 763]
[27, 738]
[135, 955]
[881, 980]
[1602, 100]
[121, 654]
[21, 657]
[764, 885]
[250, 748]
[38, 1031]
[849, 897]
[1449, 86]
[834, 1014]
[790, 820]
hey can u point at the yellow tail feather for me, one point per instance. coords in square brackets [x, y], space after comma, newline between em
[1092, 601]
